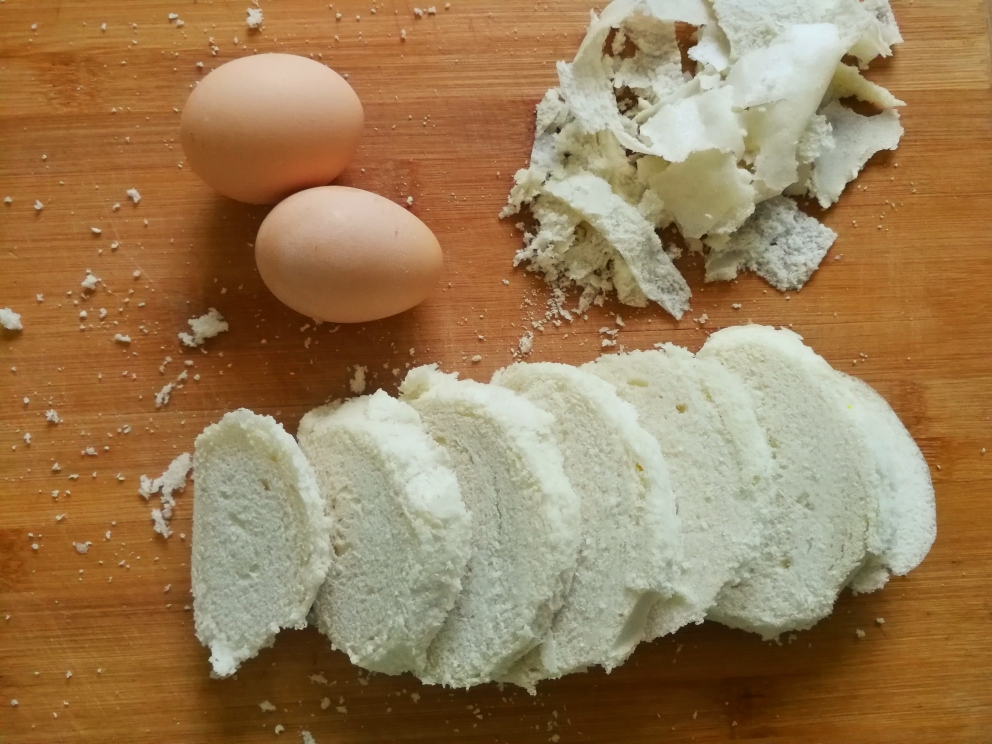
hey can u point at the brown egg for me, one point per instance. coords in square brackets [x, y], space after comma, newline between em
[345, 255]
[260, 128]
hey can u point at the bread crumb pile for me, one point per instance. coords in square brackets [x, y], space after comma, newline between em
[630, 143]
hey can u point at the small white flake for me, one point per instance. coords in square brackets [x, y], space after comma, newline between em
[204, 327]
[52, 416]
[90, 281]
[10, 320]
[163, 395]
[83, 547]
[38, 205]
[357, 384]
[122, 338]
[133, 195]
[96, 230]
[266, 706]
[254, 19]
[526, 343]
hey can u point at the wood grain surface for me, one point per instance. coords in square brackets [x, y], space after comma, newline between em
[903, 301]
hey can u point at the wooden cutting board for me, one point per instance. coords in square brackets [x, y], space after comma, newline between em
[99, 647]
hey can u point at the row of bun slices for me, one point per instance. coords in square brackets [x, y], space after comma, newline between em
[550, 521]
[274, 128]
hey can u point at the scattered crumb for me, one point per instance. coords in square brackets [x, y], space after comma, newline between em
[52, 416]
[526, 343]
[254, 20]
[307, 738]
[204, 327]
[162, 396]
[10, 320]
[173, 479]
[83, 547]
[90, 281]
[279, 728]
[266, 706]
[357, 383]
[122, 338]
[133, 195]
[860, 633]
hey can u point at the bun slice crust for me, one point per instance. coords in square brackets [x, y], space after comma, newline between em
[401, 533]
[627, 558]
[525, 524]
[719, 461]
[261, 544]
[825, 511]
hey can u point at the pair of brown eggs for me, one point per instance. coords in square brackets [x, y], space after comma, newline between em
[275, 128]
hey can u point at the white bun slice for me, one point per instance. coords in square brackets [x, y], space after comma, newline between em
[719, 461]
[261, 544]
[907, 519]
[525, 524]
[825, 510]
[401, 533]
[627, 558]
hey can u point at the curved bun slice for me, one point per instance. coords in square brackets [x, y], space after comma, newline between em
[261, 546]
[525, 524]
[907, 511]
[627, 558]
[825, 510]
[719, 461]
[400, 536]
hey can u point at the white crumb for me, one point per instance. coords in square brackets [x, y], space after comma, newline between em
[357, 383]
[122, 338]
[266, 706]
[163, 395]
[133, 195]
[90, 281]
[204, 327]
[254, 20]
[10, 320]
[52, 416]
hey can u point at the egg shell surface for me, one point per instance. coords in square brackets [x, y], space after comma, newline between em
[344, 255]
[260, 128]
